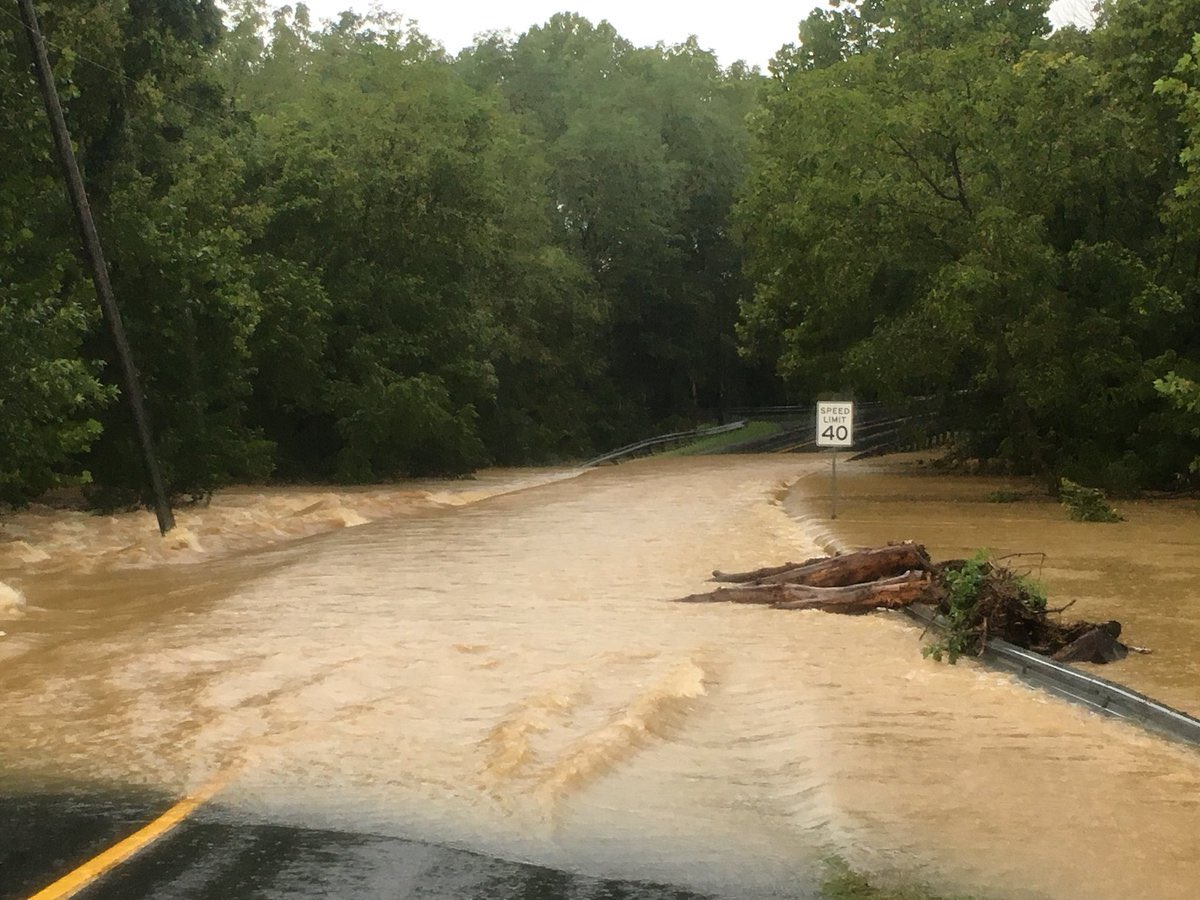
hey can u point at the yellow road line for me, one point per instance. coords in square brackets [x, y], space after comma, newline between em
[98, 866]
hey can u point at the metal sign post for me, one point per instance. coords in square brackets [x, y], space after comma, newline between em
[833, 487]
[835, 428]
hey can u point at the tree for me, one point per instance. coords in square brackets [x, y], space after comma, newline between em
[456, 329]
[645, 148]
[934, 210]
[50, 397]
[158, 155]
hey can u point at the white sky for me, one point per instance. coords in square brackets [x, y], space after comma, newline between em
[751, 30]
[754, 31]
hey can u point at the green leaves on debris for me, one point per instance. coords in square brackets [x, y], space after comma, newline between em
[964, 584]
[982, 599]
[1085, 504]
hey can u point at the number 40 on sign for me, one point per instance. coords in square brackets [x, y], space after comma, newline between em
[835, 428]
[835, 423]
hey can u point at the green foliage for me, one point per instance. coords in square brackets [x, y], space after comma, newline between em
[1185, 395]
[644, 151]
[51, 396]
[1086, 504]
[382, 177]
[341, 253]
[1002, 496]
[392, 426]
[843, 883]
[979, 593]
[1033, 591]
[964, 586]
[933, 210]
[48, 395]
[162, 164]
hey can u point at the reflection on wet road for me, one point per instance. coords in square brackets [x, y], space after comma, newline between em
[213, 857]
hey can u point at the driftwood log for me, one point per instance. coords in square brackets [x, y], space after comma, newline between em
[1098, 644]
[859, 567]
[897, 575]
[852, 599]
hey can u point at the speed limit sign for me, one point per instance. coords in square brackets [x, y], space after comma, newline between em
[835, 423]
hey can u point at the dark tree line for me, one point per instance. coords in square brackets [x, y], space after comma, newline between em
[343, 254]
[950, 202]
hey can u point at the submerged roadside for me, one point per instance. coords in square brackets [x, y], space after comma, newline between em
[1143, 571]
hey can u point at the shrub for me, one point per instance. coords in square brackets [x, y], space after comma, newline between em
[963, 585]
[1086, 504]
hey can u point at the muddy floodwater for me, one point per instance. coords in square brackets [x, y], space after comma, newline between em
[494, 665]
[1143, 572]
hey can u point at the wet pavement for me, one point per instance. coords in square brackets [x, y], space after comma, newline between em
[49, 835]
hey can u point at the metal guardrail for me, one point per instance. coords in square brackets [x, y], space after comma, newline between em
[1098, 694]
[878, 428]
[638, 446]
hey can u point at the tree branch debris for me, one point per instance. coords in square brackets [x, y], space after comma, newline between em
[977, 600]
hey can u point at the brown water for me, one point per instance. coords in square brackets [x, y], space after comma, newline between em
[1144, 572]
[501, 672]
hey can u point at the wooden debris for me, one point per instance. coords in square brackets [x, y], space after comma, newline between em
[1096, 645]
[758, 574]
[835, 571]
[897, 575]
[888, 593]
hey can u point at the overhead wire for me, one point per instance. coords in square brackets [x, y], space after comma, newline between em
[206, 113]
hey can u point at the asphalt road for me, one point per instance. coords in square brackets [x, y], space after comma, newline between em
[45, 836]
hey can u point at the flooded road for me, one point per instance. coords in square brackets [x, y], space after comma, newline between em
[501, 673]
[1144, 571]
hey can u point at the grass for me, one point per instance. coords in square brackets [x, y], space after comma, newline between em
[843, 883]
[1003, 496]
[715, 442]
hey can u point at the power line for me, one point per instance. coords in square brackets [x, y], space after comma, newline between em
[61, 48]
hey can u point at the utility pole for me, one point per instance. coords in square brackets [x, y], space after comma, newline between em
[131, 386]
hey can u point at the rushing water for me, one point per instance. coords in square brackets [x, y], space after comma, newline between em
[499, 670]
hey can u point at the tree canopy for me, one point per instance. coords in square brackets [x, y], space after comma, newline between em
[342, 253]
[948, 202]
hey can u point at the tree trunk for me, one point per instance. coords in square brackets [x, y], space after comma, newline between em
[889, 593]
[836, 571]
[1097, 645]
[755, 576]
